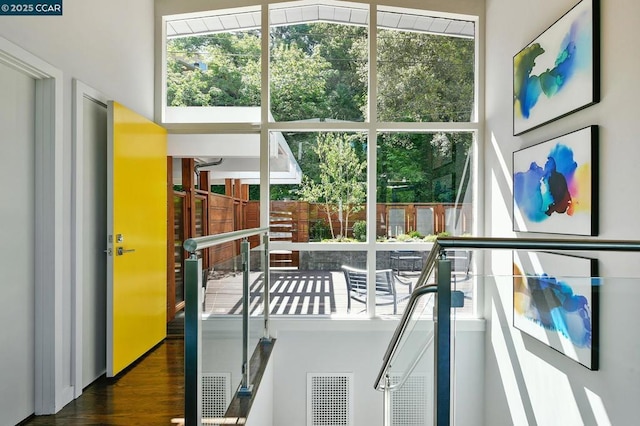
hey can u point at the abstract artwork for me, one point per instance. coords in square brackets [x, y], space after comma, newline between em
[554, 185]
[555, 300]
[558, 73]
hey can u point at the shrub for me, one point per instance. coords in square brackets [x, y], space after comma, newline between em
[415, 234]
[360, 230]
[319, 231]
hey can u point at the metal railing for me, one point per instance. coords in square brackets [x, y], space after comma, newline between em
[193, 315]
[445, 299]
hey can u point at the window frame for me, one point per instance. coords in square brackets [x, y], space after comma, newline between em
[370, 126]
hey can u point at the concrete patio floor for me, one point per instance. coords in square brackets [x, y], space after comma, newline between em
[296, 292]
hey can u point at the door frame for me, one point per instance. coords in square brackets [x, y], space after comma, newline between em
[81, 91]
[52, 391]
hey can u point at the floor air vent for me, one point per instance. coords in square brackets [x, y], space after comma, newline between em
[216, 394]
[408, 404]
[329, 399]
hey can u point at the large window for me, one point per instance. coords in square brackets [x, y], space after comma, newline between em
[369, 125]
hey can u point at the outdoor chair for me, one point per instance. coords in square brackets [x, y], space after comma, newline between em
[399, 258]
[460, 264]
[386, 293]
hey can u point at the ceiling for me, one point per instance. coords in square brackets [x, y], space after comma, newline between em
[309, 12]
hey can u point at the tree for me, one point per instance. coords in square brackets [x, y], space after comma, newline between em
[298, 83]
[423, 77]
[345, 92]
[341, 185]
[214, 70]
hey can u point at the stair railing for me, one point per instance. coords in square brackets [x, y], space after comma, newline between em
[193, 315]
[446, 299]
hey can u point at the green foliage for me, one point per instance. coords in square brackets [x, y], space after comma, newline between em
[319, 231]
[232, 77]
[403, 237]
[298, 83]
[341, 185]
[360, 230]
[415, 234]
[432, 238]
[440, 67]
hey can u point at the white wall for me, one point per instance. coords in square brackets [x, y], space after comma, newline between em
[307, 345]
[526, 382]
[109, 46]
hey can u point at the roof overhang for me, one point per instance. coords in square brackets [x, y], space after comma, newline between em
[240, 152]
[303, 12]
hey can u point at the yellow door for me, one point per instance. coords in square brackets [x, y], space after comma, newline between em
[137, 236]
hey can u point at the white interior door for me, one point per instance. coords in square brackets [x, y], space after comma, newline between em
[94, 224]
[17, 231]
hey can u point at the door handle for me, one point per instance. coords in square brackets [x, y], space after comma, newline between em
[121, 250]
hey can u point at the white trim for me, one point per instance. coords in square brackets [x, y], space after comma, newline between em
[265, 113]
[372, 158]
[478, 169]
[51, 391]
[80, 92]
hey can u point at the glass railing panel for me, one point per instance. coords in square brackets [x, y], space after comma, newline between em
[411, 374]
[410, 362]
[418, 336]
[559, 342]
[232, 284]
[412, 397]
[544, 340]
[223, 283]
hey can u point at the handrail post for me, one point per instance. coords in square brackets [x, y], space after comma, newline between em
[245, 388]
[266, 286]
[192, 342]
[442, 328]
[386, 408]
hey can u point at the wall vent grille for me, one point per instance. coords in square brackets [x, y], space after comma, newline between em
[409, 403]
[216, 395]
[330, 399]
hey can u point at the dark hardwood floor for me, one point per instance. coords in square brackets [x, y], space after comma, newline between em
[149, 393]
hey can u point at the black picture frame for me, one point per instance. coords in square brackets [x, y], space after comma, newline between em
[558, 73]
[540, 281]
[555, 185]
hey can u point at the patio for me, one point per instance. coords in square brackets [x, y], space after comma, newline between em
[296, 292]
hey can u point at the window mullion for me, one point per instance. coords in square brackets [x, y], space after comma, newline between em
[265, 178]
[372, 115]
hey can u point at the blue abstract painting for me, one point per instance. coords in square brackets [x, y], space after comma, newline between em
[558, 72]
[555, 301]
[553, 185]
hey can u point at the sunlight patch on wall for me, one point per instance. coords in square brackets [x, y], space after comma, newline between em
[507, 375]
[501, 190]
[552, 396]
[599, 410]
